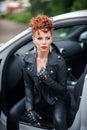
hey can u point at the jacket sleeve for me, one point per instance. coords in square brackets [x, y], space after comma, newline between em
[28, 90]
[58, 85]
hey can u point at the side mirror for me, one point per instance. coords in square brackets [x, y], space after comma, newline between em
[83, 37]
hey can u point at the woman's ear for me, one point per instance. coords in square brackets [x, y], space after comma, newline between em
[33, 39]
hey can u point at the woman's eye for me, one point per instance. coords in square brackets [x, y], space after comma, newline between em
[39, 38]
[48, 38]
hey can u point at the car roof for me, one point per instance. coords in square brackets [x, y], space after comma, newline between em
[80, 13]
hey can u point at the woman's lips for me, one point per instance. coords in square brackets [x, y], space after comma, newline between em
[44, 47]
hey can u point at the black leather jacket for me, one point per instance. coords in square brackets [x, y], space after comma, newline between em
[52, 90]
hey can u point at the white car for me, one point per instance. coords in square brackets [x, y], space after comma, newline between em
[70, 38]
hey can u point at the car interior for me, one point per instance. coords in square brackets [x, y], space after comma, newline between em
[75, 57]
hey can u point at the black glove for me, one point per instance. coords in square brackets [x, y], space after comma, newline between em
[43, 75]
[33, 117]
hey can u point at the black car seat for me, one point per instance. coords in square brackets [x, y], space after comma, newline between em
[13, 86]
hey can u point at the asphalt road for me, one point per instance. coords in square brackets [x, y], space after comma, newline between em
[9, 29]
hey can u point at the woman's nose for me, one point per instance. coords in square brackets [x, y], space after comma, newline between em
[44, 41]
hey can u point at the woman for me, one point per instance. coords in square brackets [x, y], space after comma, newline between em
[45, 76]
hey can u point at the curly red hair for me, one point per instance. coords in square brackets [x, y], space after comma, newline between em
[41, 22]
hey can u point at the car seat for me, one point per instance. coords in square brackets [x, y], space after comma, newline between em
[12, 84]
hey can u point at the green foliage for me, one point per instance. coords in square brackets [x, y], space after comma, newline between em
[61, 6]
[55, 7]
[18, 17]
[48, 7]
[79, 4]
[40, 6]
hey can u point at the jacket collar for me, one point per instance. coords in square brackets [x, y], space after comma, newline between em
[52, 58]
[30, 58]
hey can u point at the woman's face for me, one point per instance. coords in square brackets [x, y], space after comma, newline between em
[42, 40]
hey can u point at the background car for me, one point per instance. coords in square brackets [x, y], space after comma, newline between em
[70, 40]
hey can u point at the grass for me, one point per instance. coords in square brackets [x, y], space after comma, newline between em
[18, 17]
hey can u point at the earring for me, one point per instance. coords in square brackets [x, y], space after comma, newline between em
[50, 48]
[35, 48]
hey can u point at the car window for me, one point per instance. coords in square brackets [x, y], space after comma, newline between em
[69, 31]
[64, 32]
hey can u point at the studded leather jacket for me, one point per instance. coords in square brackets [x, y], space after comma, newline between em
[51, 90]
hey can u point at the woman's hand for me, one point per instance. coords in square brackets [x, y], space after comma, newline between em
[33, 117]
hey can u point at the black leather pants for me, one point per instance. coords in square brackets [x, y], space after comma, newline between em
[57, 111]
[60, 115]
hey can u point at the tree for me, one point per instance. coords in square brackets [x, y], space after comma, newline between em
[39, 6]
[79, 4]
[55, 7]
[61, 6]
